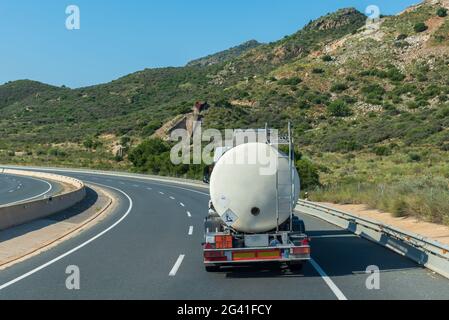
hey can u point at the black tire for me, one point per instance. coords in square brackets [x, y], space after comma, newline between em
[299, 226]
[295, 266]
[212, 268]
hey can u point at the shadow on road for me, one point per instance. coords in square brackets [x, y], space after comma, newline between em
[338, 252]
[264, 270]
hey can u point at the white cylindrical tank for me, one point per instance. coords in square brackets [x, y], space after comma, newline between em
[243, 187]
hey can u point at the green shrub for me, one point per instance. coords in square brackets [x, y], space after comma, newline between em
[442, 12]
[317, 71]
[374, 94]
[349, 99]
[151, 128]
[303, 104]
[327, 58]
[399, 208]
[414, 157]
[420, 27]
[339, 87]
[395, 75]
[382, 151]
[375, 89]
[309, 174]
[290, 81]
[339, 108]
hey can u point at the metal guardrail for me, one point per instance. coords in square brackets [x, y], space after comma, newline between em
[424, 251]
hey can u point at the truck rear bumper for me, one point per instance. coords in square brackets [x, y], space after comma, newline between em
[244, 262]
[219, 257]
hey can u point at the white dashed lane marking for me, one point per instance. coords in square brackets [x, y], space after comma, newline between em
[190, 230]
[189, 214]
[175, 268]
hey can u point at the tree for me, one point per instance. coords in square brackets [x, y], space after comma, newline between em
[339, 108]
[151, 128]
[88, 143]
[147, 154]
[309, 174]
[420, 27]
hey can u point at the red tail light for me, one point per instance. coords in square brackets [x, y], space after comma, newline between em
[214, 256]
[208, 246]
[300, 250]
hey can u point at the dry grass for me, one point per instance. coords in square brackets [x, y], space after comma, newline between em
[424, 198]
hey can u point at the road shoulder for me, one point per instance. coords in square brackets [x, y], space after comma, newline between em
[25, 241]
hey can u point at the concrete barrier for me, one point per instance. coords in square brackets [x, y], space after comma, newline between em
[17, 214]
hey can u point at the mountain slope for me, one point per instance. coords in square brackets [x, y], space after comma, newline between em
[347, 87]
[12, 92]
[132, 105]
[225, 55]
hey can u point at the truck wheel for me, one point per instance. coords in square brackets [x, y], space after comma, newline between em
[295, 266]
[212, 268]
[299, 226]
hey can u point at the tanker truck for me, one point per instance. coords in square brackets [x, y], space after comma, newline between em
[251, 210]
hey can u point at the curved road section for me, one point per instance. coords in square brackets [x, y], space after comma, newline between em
[150, 248]
[17, 189]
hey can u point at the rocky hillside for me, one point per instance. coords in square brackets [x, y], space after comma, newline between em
[348, 85]
[226, 55]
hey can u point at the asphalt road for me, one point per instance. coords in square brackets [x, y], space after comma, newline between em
[150, 248]
[15, 189]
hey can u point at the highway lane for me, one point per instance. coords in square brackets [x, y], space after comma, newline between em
[14, 189]
[161, 222]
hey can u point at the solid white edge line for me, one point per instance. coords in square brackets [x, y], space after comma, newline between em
[31, 198]
[190, 230]
[175, 268]
[329, 282]
[29, 273]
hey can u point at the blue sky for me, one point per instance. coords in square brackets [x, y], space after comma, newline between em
[120, 37]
